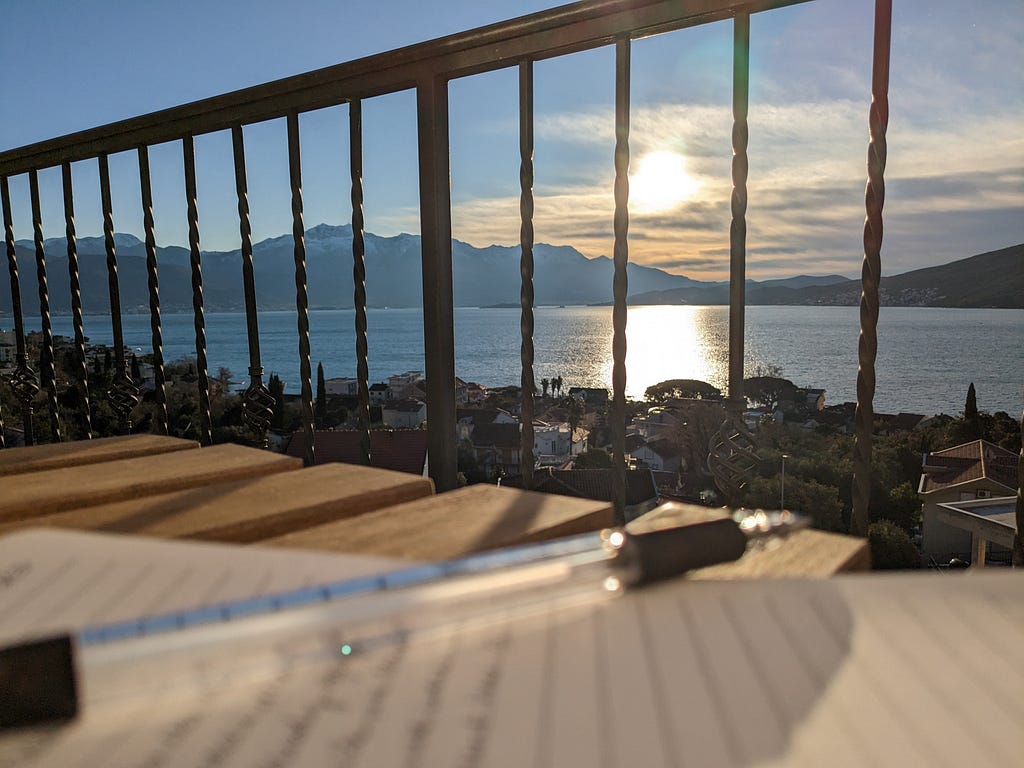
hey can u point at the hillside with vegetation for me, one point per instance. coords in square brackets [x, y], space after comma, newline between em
[994, 279]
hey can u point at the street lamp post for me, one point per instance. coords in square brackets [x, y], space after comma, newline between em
[782, 489]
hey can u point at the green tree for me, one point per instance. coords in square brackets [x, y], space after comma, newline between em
[971, 406]
[820, 502]
[767, 391]
[594, 458]
[903, 507]
[674, 388]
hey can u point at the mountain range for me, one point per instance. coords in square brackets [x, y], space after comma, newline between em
[482, 277]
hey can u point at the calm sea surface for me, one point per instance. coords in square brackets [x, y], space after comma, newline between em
[926, 359]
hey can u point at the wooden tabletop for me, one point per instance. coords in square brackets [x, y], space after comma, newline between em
[471, 519]
[164, 487]
[37, 458]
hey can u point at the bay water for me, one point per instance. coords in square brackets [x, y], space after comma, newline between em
[927, 357]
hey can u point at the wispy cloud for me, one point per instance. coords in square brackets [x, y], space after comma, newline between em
[805, 189]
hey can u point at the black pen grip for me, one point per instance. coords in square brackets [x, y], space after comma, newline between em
[663, 554]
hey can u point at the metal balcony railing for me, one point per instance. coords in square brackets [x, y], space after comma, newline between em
[428, 68]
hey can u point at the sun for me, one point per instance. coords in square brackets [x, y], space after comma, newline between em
[660, 182]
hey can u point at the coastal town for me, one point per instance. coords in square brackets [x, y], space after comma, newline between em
[943, 494]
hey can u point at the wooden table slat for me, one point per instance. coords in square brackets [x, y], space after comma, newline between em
[248, 510]
[39, 458]
[471, 519]
[40, 493]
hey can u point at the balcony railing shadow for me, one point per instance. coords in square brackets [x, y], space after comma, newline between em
[427, 68]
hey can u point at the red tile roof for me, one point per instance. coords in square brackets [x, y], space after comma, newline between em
[403, 450]
[970, 461]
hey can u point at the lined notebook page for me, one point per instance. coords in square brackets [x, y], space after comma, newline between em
[865, 670]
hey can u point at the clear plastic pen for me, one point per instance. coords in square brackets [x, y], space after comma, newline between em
[194, 651]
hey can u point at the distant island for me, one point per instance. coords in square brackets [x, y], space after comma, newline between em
[483, 277]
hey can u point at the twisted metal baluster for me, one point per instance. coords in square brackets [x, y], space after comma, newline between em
[733, 453]
[149, 227]
[76, 297]
[23, 380]
[301, 297]
[123, 394]
[198, 316]
[257, 403]
[526, 296]
[1018, 536]
[620, 285]
[355, 144]
[871, 271]
[47, 371]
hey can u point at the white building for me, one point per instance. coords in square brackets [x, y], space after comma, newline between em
[342, 385]
[404, 414]
[401, 385]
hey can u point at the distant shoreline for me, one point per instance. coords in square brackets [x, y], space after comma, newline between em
[214, 310]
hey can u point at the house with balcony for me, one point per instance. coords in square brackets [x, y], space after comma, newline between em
[497, 447]
[553, 444]
[978, 470]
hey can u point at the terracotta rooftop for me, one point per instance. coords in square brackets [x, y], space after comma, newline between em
[497, 435]
[403, 450]
[970, 461]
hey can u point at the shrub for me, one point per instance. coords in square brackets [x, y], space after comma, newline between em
[891, 547]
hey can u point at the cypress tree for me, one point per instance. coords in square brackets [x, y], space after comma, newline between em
[321, 396]
[971, 406]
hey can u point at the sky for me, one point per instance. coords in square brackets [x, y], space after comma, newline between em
[955, 176]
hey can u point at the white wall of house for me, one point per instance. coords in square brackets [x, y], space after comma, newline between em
[405, 419]
[342, 386]
[552, 441]
[401, 385]
[655, 460]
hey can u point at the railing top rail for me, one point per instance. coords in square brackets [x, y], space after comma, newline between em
[565, 29]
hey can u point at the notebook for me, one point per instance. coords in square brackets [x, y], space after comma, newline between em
[906, 669]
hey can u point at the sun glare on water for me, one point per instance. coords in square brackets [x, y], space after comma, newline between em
[660, 182]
